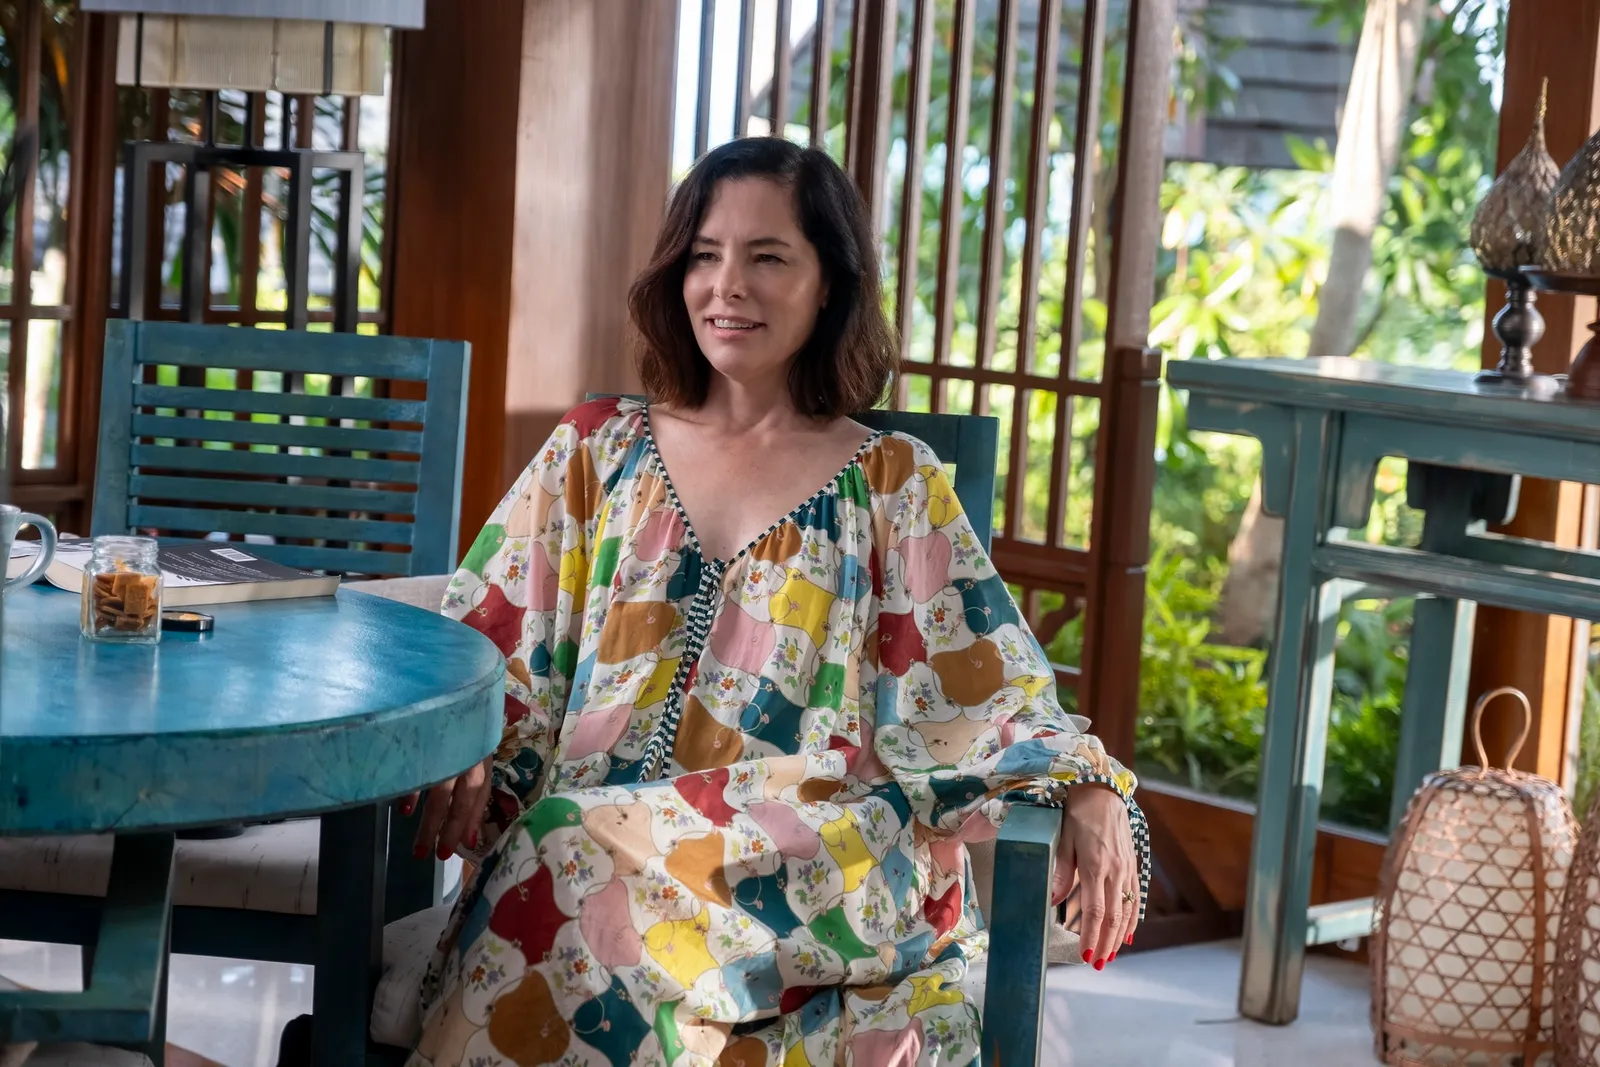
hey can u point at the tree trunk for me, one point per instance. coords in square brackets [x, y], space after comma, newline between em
[1369, 146]
[1370, 132]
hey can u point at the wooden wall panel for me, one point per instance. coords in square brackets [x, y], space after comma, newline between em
[1533, 652]
[454, 167]
[594, 148]
[1216, 835]
[530, 164]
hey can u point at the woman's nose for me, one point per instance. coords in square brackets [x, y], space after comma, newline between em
[730, 281]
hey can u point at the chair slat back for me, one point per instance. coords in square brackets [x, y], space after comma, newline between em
[355, 484]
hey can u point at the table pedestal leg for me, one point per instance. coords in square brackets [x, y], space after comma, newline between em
[1299, 689]
[350, 888]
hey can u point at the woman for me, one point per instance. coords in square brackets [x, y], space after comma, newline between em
[748, 729]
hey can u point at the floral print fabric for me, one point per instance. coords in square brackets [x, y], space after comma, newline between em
[730, 807]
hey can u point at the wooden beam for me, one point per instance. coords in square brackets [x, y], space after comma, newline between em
[1543, 656]
[1141, 165]
[95, 143]
[1119, 539]
[594, 151]
[454, 166]
[531, 161]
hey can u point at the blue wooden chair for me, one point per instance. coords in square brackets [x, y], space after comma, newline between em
[1024, 853]
[358, 485]
[312, 474]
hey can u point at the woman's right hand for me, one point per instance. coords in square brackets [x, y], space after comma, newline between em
[453, 813]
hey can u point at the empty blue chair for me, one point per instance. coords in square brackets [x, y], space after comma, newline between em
[354, 484]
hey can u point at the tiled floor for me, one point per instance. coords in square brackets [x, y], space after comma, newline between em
[1160, 1009]
[227, 1011]
[1176, 1008]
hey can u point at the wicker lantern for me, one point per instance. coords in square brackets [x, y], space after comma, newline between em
[1464, 934]
[1578, 954]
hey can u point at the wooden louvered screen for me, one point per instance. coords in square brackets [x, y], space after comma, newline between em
[1014, 227]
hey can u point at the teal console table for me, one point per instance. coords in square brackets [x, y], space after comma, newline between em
[1323, 425]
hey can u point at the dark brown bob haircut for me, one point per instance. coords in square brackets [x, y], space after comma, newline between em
[846, 364]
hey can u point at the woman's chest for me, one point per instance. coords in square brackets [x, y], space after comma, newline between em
[730, 500]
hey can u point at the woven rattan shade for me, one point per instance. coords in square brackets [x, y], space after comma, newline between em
[1468, 904]
[1578, 954]
[1508, 230]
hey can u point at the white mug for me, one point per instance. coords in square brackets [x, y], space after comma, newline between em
[13, 519]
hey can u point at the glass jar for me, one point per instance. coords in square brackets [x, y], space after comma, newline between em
[122, 591]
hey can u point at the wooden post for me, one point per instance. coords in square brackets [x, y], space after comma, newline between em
[531, 161]
[1125, 469]
[1543, 656]
[1125, 459]
[594, 157]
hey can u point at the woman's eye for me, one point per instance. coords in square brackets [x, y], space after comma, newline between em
[704, 257]
[767, 258]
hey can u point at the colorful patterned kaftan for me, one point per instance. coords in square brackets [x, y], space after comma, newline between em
[730, 805]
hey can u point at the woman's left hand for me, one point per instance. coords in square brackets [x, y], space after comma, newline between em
[1097, 845]
[453, 812]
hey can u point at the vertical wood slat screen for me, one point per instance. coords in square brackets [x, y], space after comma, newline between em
[53, 273]
[1014, 211]
[303, 122]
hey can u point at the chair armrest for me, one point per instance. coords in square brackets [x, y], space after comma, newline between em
[1019, 931]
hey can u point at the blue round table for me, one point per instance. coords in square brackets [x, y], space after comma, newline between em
[326, 705]
[289, 707]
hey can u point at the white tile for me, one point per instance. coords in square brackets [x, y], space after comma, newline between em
[1177, 1008]
[57, 968]
[230, 1011]
[1173, 1008]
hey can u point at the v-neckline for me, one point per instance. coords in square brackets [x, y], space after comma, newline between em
[683, 515]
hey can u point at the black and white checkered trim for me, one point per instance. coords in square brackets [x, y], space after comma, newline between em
[1053, 792]
[702, 612]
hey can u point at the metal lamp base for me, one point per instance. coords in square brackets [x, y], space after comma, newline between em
[1518, 326]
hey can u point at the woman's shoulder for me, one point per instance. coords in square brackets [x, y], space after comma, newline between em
[892, 458]
[604, 416]
[594, 437]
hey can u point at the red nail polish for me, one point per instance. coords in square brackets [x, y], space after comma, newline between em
[1111, 958]
[1129, 941]
[472, 839]
[1086, 954]
[407, 808]
[443, 853]
[1099, 965]
[420, 851]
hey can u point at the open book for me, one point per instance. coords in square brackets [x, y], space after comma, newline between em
[192, 572]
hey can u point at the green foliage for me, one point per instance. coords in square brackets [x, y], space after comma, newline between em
[1242, 258]
[1201, 704]
[1588, 779]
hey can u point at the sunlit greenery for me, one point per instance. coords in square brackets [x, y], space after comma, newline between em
[1243, 256]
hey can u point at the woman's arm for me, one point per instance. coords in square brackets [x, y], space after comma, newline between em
[522, 584]
[966, 712]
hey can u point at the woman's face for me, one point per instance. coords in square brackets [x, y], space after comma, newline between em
[754, 284]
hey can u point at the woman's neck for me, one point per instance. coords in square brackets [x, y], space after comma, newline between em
[750, 407]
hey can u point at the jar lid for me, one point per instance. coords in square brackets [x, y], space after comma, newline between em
[194, 622]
